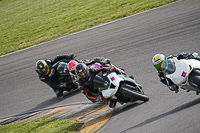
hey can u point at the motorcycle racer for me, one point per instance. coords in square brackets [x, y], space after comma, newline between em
[158, 59]
[73, 63]
[47, 72]
[86, 76]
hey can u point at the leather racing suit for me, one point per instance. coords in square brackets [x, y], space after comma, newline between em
[167, 81]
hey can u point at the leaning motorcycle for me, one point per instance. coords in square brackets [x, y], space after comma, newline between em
[65, 76]
[185, 73]
[119, 88]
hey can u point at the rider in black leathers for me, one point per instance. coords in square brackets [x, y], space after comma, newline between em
[159, 58]
[85, 81]
[47, 71]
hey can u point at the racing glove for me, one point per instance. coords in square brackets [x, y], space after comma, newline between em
[97, 59]
[195, 55]
[184, 56]
[72, 56]
[106, 61]
[117, 71]
[102, 60]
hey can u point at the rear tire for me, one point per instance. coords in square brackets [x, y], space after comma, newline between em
[195, 77]
[134, 94]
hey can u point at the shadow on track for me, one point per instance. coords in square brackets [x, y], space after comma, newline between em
[175, 110]
[126, 107]
[54, 100]
[118, 110]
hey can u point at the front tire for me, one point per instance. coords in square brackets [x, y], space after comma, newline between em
[134, 94]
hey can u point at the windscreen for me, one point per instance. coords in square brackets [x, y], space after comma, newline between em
[168, 66]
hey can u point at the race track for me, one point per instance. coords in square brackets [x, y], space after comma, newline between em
[130, 43]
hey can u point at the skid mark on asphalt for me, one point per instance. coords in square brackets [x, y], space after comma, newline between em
[62, 110]
[91, 112]
[94, 116]
[94, 125]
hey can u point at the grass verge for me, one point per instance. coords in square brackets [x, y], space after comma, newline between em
[42, 125]
[25, 23]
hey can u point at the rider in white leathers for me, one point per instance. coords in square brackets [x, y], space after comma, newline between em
[159, 58]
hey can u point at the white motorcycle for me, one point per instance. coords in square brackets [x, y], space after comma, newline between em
[119, 88]
[185, 73]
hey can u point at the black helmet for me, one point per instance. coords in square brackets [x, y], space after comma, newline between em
[42, 67]
[82, 71]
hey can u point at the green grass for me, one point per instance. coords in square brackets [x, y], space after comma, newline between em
[42, 125]
[24, 23]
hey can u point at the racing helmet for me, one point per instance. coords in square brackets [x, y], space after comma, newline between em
[71, 66]
[157, 61]
[42, 67]
[82, 71]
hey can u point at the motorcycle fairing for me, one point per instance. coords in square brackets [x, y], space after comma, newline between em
[114, 81]
[127, 79]
[181, 73]
[99, 81]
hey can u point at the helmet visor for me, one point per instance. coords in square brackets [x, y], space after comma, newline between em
[82, 70]
[82, 74]
[158, 66]
[168, 66]
[44, 70]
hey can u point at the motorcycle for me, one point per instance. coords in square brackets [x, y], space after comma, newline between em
[119, 88]
[66, 77]
[185, 73]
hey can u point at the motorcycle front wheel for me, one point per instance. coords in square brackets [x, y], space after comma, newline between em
[134, 94]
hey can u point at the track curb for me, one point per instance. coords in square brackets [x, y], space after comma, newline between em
[93, 116]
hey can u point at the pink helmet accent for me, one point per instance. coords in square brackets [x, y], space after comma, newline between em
[71, 65]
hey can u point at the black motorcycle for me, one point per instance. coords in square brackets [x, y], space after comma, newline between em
[65, 76]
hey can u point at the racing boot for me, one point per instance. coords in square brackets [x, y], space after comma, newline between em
[59, 93]
[174, 88]
[131, 77]
[111, 103]
[176, 91]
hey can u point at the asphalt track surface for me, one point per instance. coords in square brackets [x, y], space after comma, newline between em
[130, 43]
